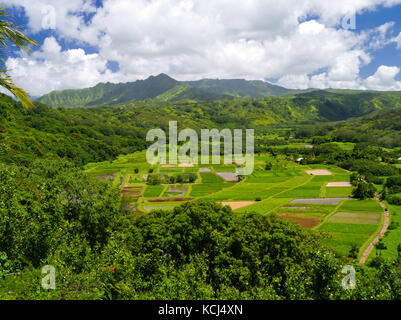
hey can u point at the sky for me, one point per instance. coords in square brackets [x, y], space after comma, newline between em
[348, 44]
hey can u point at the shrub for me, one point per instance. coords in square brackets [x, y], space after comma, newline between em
[394, 200]
[373, 179]
[393, 181]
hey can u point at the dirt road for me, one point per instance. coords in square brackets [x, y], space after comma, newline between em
[380, 235]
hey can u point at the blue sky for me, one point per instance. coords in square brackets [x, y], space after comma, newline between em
[389, 55]
[297, 44]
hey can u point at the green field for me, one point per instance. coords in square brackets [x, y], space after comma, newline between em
[350, 222]
[153, 191]
[392, 238]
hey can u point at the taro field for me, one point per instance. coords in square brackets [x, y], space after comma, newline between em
[316, 197]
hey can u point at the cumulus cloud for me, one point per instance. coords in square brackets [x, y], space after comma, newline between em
[384, 79]
[50, 69]
[192, 39]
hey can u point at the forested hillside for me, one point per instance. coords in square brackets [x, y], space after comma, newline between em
[240, 88]
[381, 127]
[101, 133]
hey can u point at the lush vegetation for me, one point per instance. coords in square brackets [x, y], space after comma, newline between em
[77, 193]
[52, 213]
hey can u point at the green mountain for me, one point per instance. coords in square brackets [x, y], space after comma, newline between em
[110, 93]
[186, 92]
[162, 88]
[240, 88]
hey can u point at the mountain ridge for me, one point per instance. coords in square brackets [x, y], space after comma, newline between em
[161, 85]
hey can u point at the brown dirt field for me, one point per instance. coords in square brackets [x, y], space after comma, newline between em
[339, 184]
[319, 172]
[305, 223]
[238, 204]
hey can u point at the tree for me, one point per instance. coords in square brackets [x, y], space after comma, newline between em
[355, 178]
[9, 33]
[364, 191]
[379, 247]
[353, 252]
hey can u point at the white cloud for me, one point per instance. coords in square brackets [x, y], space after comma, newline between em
[397, 40]
[384, 79]
[52, 69]
[191, 39]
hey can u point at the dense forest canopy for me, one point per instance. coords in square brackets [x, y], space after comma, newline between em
[101, 133]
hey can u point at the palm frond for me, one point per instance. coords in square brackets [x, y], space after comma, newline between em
[9, 33]
[7, 83]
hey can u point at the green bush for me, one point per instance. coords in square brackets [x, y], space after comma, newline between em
[394, 200]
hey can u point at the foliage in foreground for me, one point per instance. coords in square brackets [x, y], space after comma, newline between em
[51, 213]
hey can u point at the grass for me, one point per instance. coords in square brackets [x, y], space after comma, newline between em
[210, 178]
[361, 205]
[356, 217]
[153, 191]
[337, 192]
[302, 192]
[341, 243]
[393, 237]
[348, 228]
[201, 190]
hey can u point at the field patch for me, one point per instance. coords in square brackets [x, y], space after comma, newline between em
[319, 172]
[204, 189]
[170, 200]
[238, 204]
[342, 242]
[338, 192]
[264, 207]
[339, 184]
[176, 191]
[329, 201]
[304, 222]
[153, 191]
[106, 177]
[209, 177]
[361, 205]
[356, 217]
[228, 176]
[186, 165]
[348, 228]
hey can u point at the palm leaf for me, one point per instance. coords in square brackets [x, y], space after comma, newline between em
[7, 83]
[9, 33]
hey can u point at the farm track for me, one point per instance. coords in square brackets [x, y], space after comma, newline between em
[380, 235]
